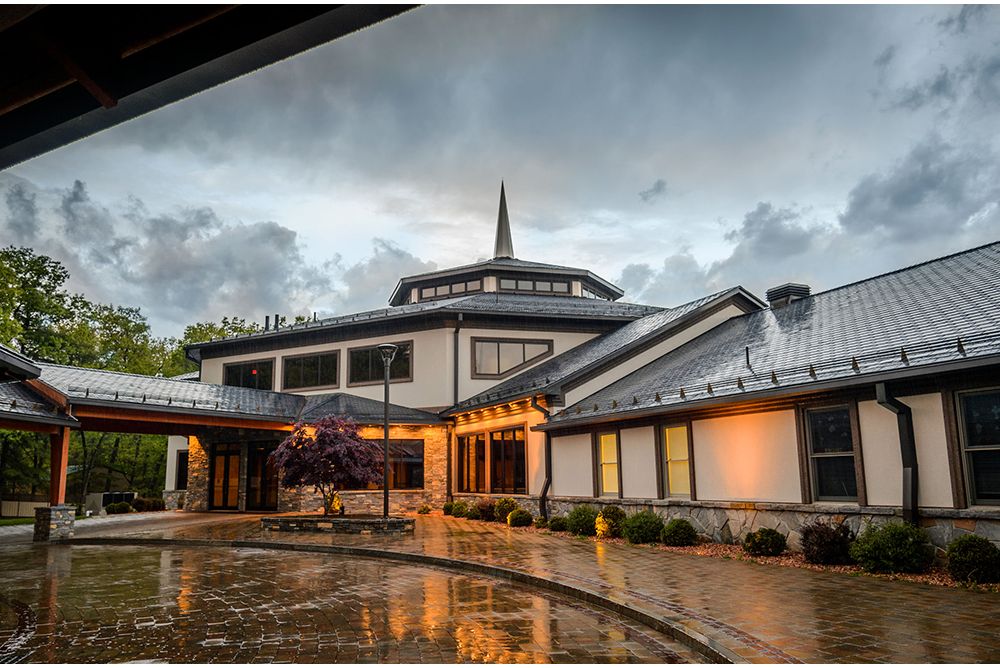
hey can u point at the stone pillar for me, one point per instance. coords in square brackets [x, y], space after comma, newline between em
[59, 458]
[54, 523]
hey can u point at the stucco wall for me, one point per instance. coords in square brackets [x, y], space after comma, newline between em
[572, 467]
[880, 447]
[631, 364]
[638, 462]
[747, 458]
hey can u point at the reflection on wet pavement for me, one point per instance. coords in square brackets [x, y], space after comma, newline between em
[195, 604]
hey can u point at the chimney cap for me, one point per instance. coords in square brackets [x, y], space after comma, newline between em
[786, 293]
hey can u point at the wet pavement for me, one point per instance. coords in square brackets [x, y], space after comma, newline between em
[75, 603]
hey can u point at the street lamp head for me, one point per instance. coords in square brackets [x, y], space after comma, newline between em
[388, 351]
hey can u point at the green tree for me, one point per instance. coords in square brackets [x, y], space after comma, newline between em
[40, 306]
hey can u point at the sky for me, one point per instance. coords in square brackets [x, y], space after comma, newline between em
[673, 150]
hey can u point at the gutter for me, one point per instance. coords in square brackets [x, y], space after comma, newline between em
[543, 498]
[907, 450]
[458, 326]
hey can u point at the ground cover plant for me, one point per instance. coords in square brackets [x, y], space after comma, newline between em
[765, 542]
[119, 508]
[643, 527]
[895, 547]
[487, 510]
[424, 510]
[472, 513]
[679, 533]
[580, 521]
[459, 508]
[558, 524]
[447, 507]
[609, 522]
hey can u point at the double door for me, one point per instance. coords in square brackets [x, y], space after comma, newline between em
[261, 477]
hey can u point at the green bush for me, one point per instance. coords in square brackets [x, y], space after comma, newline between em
[504, 507]
[424, 510]
[487, 510]
[459, 508]
[472, 513]
[519, 517]
[557, 524]
[448, 507]
[824, 543]
[580, 521]
[144, 505]
[541, 523]
[679, 533]
[892, 548]
[643, 527]
[119, 508]
[609, 522]
[972, 558]
[765, 542]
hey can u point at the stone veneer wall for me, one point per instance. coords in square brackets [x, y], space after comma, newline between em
[730, 522]
[196, 494]
[54, 522]
[173, 499]
[369, 502]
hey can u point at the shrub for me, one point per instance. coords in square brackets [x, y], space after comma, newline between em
[824, 543]
[487, 510]
[580, 521]
[448, 507]
[118, 508]
[519, 517]
[972, 558]
[459, 509]
[642, 527]
[424, 510]
[892, 548]
[609, 522]
[541, 523]
[557, 524]
[679, 533]
[143, 505]
[504, 507]
[472, 513]
[764, 542]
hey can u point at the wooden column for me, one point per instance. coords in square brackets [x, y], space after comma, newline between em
[59, 458]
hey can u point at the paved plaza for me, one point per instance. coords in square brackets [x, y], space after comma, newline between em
[747, 611]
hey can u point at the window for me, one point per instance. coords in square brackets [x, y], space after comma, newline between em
[427, 293]
[500, 357]
[474, 286]
[524, 285]
[442, 290]
[607, 451]
[181, 474]
[310, 371]
[365, 365]
[508, 284]
[258, 374]
[507, 461]
[560, 287]
[472, 463]
[406, 466]
[831, 453]
[675, 450]
[980, 413]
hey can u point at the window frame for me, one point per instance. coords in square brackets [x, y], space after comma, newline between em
[662, 461]
[462, 462]
[335, 353]
[964, 449]
[807, 468]
[177, 469]
[274, 365]
[488, 464]
[520, 367]
[408, 379]
[599, 463]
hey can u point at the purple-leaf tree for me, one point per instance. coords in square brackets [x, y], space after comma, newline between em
[328, 455]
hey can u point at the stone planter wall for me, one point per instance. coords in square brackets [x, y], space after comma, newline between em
[527, 502]
[353, 525]
[54, 523]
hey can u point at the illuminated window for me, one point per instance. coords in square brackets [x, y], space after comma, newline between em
[980, 417]
[310, 371]
[831, 453]
[365, 365]
[501, 357]
[406, 465]
[258, 374]
[675, 450]
[607, 451]
[472, 463]
[508, 462]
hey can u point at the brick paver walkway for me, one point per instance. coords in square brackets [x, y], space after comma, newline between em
[762, 613]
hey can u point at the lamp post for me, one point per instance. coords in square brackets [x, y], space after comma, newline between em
[388, 351]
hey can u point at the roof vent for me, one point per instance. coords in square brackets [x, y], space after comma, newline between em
[786, 294]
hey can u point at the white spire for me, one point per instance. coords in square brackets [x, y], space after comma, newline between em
[503, 247]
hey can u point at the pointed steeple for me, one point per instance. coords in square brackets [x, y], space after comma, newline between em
[504, 247]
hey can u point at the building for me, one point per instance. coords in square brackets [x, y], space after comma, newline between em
[868, 401]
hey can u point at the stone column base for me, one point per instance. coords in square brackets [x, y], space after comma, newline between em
[54, 523]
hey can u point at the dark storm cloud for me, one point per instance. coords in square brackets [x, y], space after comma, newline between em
[657, 190]
[943, 87]
[959, 22]
[23, 214]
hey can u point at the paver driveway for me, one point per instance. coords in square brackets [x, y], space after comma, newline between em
[760, 612]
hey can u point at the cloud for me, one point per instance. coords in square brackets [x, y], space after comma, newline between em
[367, 284]
[959, 22]
[22, 222]
[657, 190]
[885, 58]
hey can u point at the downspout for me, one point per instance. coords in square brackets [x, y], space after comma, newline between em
[454, 362]
[451, 426]
[543, 508]
[907, 450]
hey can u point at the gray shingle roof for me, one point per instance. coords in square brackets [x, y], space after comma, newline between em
[944, 310]
[19, 402]
[549, 375]
[362, 410]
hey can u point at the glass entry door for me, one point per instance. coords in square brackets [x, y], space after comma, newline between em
[262, 478]
[225, 477]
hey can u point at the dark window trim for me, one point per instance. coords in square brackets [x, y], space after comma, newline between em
[487, 472]
[520, 367]
[335, 352]
[963, 435]
[953, 440]
[489, 456]
[596, 459]
[274, 366]
[662, 475]
[806, 467]
[177, 468]
[408, 379]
